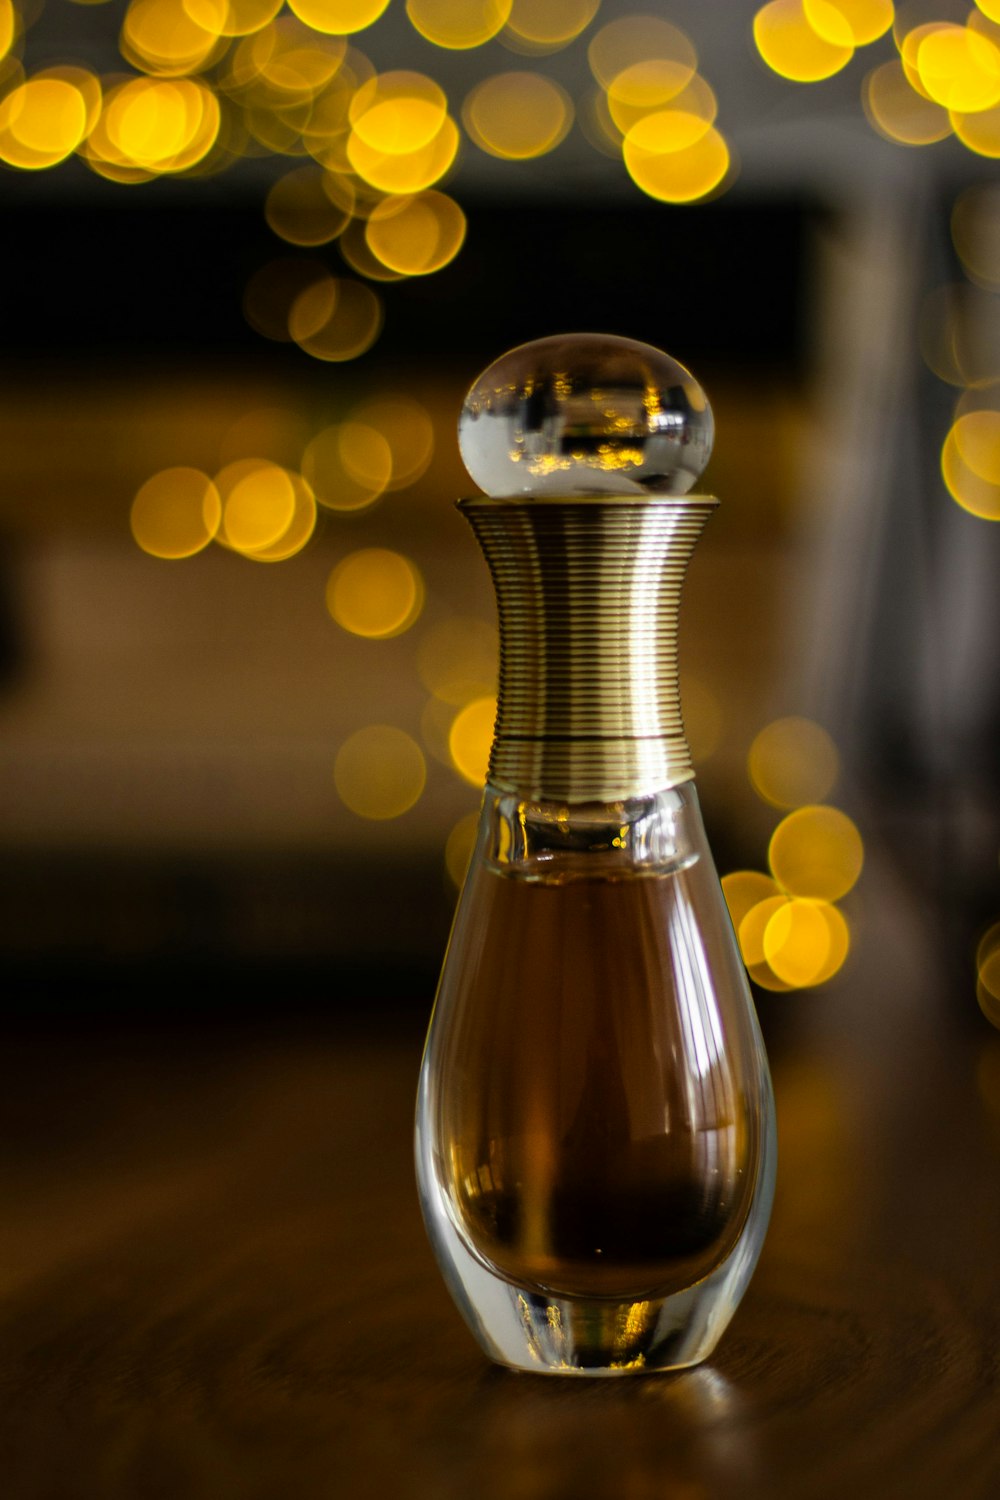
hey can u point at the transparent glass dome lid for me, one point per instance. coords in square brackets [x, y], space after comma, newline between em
[585, 414]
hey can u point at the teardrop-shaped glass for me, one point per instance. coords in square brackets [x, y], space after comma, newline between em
[595, 1143]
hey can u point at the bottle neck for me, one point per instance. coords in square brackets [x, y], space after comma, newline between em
[588, 594]
[554, 842]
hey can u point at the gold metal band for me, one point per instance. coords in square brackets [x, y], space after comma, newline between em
[588, 593]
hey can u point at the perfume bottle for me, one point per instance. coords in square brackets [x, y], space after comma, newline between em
[595, 1136]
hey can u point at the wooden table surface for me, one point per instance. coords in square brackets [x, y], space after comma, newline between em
[214, 1280]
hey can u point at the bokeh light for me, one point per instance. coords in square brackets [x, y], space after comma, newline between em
[232, 18]
[805, 942]
[535, 26]
[357, 253]
[895, 109]
[408, 430]
[816, 851]
[459, 847]
[988, 974]
[458, 24]
[979, 132]
[42, 121]
[471, 738]
[338, 17]
[161, 37]
[959, 68]
[647, 88]
[399, 112]
[675, 157]
[375, 593]
[298, 531]
[975, 230]
[743, 890]
[789, 43]
[405, 171]
[300, 210]
[9, 19]
[150, 126]
[866, 20]
[258, 504]
[335, 319]
[637, 40]
[380, 772]
[348, 464]
[176, 513]
[457, 660]
[416, 235]
[793, 761]
[971, 484]
[517, 115]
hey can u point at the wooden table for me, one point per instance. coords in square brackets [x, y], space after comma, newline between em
[215, 1281]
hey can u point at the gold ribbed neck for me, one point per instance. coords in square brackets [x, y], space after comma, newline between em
[588, 594]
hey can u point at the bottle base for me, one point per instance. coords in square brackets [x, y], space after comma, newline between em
[526, 1329]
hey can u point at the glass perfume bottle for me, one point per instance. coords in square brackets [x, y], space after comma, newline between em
[595, 1130]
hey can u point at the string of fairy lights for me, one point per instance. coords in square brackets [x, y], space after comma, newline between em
[362, 157]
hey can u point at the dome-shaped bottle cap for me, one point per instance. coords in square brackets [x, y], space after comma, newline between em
[585, 414]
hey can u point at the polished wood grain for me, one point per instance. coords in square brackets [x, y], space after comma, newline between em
[215, 1282]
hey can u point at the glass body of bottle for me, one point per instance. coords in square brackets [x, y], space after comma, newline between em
[595, 1134]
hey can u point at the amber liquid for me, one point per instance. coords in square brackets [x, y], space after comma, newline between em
[594, 1128]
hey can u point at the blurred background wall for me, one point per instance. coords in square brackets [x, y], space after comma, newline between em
[252, 258]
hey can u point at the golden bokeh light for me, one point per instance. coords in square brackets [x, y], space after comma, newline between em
[176, 513]
[338, 17]
[335, 319]
[793, 761]
[299, 529]
[380, 772]
[416, 235]
[155, 125]
[979, 132]
[42, 121]
[457, 660]
[9, 21]
[898, 112]
[300, 210]
[647, 88]
[959, 68]
[161, 37]
[753, 925]
[990, 9]
[375, 593]
[977, 437]
[988, 1004]
[458, 24]
[816, 851]
[517, 115]
[87, 83]
[988, 944]
[459, 848]
[675, 157]
[356, 252]
[258, 504]
[866, 20]
[407, 428]
[399, 112]
[471, 738]
[637, 40]
[536, 26]
[232, 18]
[788, 42]
[405, 171]
[348, 465]
[806, 942]
[745, 889]
[974, 492]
